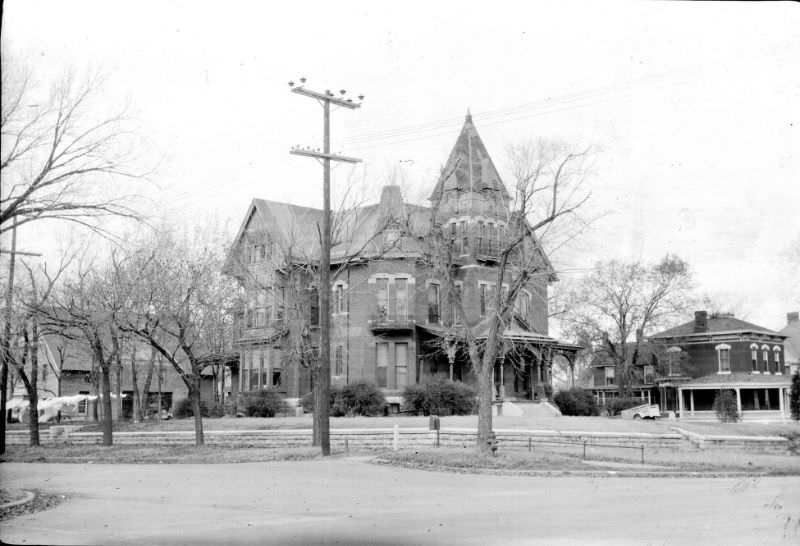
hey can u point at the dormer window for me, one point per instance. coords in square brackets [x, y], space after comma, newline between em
[724, 358]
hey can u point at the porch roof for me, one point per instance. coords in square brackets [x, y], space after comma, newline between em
[738, 379]
[516, 333]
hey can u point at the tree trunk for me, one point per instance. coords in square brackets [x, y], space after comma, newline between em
[151, 365]
[117, 407]
[137, 397]
[105, 392]
[485, 398]
[194, 393]
[318, 403]
[33, 391]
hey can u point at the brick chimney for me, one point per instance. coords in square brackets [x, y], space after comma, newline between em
[700, 321]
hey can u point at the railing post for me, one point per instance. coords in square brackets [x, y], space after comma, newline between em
[396, 439]
[529, 443]
[584, 449]
[642, 454]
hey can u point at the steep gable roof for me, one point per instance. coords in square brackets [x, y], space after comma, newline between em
[469, 167]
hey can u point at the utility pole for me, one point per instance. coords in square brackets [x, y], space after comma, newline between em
[5, 349]
[323, 380]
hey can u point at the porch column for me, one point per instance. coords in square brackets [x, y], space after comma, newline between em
[680, 402]
[739, 401]
[780, 400]
[691, 401]
[766, 399]
[502, 382]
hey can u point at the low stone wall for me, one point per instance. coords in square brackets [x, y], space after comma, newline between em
[383, 438]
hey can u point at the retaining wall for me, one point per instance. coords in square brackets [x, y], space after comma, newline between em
[380, 438]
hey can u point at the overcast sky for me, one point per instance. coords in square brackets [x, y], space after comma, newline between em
[695, 107]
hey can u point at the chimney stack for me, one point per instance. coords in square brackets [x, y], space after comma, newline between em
[700, 321]
[639, 334]
[794, 316]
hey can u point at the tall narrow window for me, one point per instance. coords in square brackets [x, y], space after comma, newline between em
[754, 358]
[453, 231]
[381, 364]
[776, 355]
[339, 302]
[401, 298]
[433, 303]
[401, 364]
[314, 306]
[482, 289]
[339, 360]
[609, 375]
[382, 286]
[464, 238]
[765, 357]
[479, 243]
[280, 305]
[674, 360]
[724, 358]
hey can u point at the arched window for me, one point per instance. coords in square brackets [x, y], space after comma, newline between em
[754, 357]
[765, 357]
[724, 358]
[776, 356]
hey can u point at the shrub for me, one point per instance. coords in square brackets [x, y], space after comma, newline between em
[440, 396]
[576, 402]
[184, 409]
[725, 406]
[307, 402]
[359, 398]
[794, 396]
[265, 403]
[615, 405]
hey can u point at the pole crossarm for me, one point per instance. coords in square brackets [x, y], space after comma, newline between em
[20, 252]
[322, 155]
[347, 103]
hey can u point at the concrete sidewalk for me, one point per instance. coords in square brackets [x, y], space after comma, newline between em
[348, 501]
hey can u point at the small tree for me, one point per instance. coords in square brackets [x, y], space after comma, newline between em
[725, 406]
[794, 396]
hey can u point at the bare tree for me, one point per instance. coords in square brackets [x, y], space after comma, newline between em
[549, 187]
[61, 155]
[618, 303]
[179, 302]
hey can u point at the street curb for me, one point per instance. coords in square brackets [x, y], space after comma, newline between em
[571, 473]
[29, 495]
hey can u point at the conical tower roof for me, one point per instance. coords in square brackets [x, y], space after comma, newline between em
[469, 167]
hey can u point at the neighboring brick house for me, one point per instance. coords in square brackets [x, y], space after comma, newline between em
[605, 383]
[390, 318]
[791, 354]
[724, 352]
[65, 369]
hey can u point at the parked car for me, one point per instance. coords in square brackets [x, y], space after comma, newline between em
[645, 411]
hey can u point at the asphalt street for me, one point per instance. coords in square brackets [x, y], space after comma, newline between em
[349, 501]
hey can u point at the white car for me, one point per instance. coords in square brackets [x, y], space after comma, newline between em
[645, 411]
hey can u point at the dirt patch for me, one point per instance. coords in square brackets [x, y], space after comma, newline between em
[41, 501]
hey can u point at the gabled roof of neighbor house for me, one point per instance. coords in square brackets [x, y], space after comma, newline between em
[647, 350]
[716, 324]
[479, 175]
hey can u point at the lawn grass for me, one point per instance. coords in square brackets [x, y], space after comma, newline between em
[136, 454]
[571, 459]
